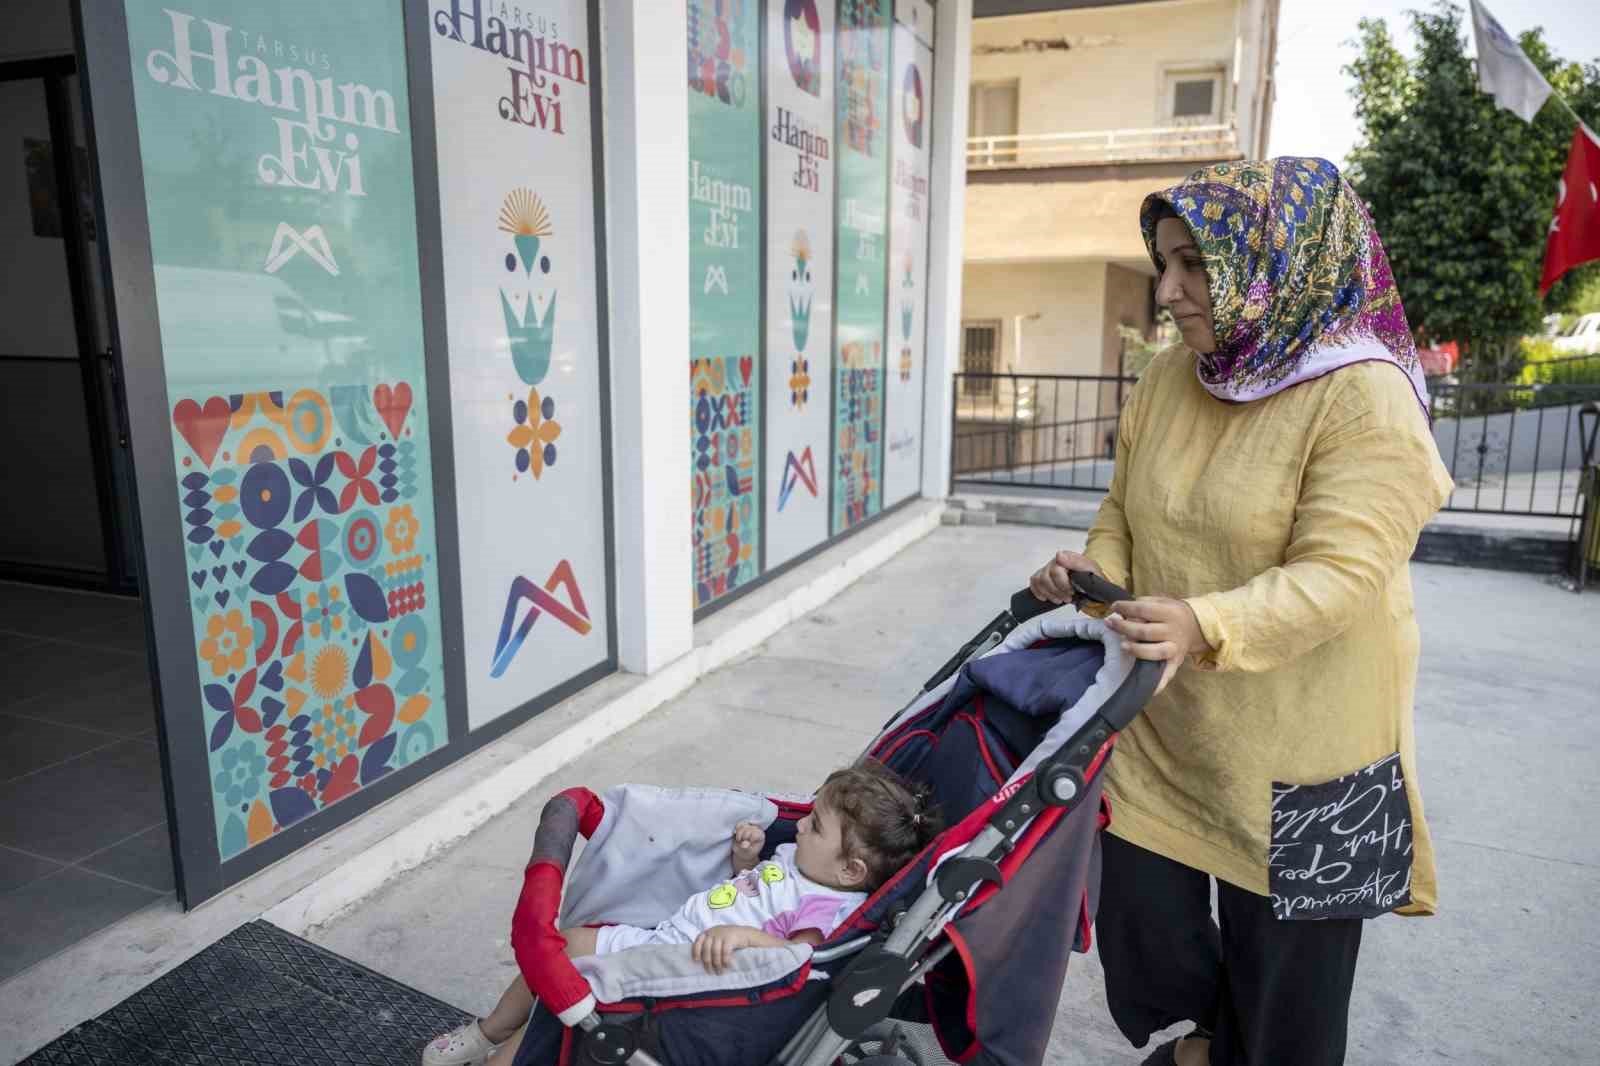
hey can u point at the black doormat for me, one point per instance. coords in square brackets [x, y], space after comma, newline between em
[261, 997]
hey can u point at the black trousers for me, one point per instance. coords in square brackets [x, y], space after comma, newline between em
[1272, 993]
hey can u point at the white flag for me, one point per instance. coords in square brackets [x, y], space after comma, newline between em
[1504, 70]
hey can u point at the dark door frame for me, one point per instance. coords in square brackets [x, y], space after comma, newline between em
[94, 354]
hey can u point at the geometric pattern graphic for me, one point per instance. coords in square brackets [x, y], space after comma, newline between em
[310, 576]
[260, 997]
[859, 424]
[862, 63]
[723, 407]
[861, 338]
[724, 66]
[540, 601]
[801, 470]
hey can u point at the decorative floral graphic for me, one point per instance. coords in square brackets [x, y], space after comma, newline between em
[535, 433]
[239, 780]
[295, 562]
[799, 382]
[402, 529]
[323, 609]
[227, 643]
[801, 290]
[531, 331]
[330, 669]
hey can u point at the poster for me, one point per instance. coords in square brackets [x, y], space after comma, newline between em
[910, 157]
[277, 164]
[724, 294]
[512, 98]
[860, 273]
[799, 349]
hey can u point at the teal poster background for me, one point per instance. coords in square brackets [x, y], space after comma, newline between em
[724, 293]
[862, 103]
[277, 161]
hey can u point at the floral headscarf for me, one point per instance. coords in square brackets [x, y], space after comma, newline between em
[1299, 283]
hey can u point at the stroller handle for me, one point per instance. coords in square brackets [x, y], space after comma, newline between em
[1088, 586]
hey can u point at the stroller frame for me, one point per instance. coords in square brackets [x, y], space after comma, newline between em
[863, 994]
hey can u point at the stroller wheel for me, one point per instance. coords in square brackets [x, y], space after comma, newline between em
[885, 1044]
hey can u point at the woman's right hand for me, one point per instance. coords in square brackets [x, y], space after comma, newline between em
[1052, 582]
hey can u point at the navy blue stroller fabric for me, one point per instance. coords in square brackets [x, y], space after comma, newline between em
[965, 748]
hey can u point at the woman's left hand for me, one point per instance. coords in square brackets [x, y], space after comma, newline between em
[1159, 629]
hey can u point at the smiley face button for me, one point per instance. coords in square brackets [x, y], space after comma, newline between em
[771, 873]
[722, 897]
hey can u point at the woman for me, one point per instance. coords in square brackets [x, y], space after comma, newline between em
[1273, 474]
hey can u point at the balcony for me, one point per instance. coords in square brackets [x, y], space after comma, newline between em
[1094, 147]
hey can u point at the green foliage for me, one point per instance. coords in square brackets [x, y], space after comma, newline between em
[1543, 365]
[1461, 191]
[1138, 350]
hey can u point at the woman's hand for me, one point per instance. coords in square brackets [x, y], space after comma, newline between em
[1159, 629]
[1052, 582]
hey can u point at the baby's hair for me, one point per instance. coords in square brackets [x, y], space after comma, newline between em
[884, 821]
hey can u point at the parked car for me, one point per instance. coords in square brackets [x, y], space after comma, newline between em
[1582, 339]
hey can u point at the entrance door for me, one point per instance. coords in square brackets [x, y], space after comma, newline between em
[68, 494]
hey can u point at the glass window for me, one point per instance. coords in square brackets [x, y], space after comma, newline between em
[993, 110]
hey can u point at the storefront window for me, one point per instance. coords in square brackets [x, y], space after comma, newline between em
[513, 102]
[278, 169]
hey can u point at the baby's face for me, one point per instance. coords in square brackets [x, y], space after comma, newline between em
[819, 845]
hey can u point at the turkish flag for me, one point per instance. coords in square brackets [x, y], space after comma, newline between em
[1575, 231]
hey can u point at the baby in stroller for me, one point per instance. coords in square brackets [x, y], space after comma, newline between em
[865, 824]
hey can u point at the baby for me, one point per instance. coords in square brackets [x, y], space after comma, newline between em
[865, 824]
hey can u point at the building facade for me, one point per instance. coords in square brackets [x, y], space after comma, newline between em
[423, 394]
[1078, 110]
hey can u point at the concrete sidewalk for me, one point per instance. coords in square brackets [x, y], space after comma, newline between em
[1509, 736]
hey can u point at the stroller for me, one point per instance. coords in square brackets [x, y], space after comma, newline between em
[959, 957]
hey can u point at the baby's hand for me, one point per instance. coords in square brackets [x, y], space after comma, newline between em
[714, 948]
[748, 840]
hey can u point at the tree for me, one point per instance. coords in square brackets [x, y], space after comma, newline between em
[1461, 191]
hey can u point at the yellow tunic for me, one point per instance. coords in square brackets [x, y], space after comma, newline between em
[1287, 523]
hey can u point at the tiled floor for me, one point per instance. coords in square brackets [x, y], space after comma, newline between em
[83, 834]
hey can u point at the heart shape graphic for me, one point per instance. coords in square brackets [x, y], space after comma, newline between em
[273, 678]
[393, 405]
[199, 578]
[238, 569]
[203, 427]
[218, 572]
[745, 364]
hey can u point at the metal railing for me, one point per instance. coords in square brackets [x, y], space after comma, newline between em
[1512, 449]
[1051, 431]
[1102, 146]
